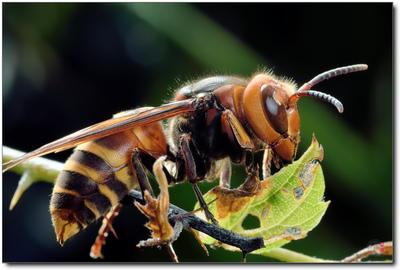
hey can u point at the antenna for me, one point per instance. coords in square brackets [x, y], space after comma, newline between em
[305, 89]
[332, 73]
[319, 95]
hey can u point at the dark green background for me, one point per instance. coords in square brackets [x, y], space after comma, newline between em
[66, 66]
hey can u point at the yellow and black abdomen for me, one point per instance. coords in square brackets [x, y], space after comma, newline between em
[97, 176]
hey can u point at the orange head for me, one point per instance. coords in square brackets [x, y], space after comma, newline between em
[270, 108]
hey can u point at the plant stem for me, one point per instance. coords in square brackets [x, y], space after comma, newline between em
[35, 170]
[286, 255]
[42, 169]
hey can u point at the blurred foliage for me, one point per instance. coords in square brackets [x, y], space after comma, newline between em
[69, 65]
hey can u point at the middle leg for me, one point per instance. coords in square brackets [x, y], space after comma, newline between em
[156, 211]
[195, 169]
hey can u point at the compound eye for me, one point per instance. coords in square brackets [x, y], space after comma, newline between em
[274, 109]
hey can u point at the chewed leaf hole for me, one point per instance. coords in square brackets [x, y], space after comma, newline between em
[307, 174]
[251, 222]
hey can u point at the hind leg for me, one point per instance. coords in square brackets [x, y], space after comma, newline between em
[106, 227]
[136, 165]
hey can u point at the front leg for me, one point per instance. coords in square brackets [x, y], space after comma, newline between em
[267, 160]
[225, 173]
[235, 131]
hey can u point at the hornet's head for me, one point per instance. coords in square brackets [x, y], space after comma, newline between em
[270, 107]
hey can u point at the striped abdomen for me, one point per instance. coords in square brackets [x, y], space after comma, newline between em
[97, 176]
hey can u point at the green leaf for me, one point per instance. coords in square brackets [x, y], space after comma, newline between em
[288, 204]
